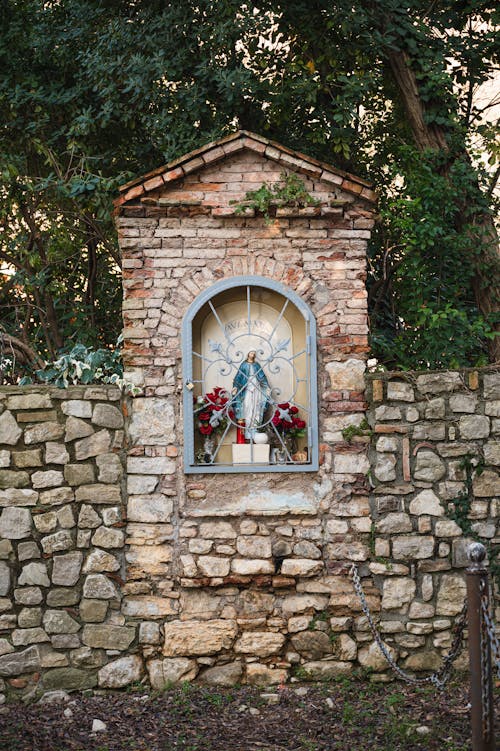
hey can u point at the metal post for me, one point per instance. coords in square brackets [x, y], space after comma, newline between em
[481, 692]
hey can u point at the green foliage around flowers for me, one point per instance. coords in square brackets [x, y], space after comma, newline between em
[84, 365]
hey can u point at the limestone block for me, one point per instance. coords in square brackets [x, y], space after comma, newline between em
[19, 663]
[435, 409]
[334, 425]
[426, 502]
[217, 530]
[302, 603]
[421, 610]
[436, 383]
[298, 623]
[76, 428]
[79, 474]
[385, 468]
[400, 391]
[251, 567]
[107, 416]
[66, 568]
[152, 422]
[473, 427]
[106, 636]
[100, 560]
[171, 670]
[394, 523]
[59, 622]
[486, 484]
[313, 645]
[428, 659]
[62, 540]
[121, 672]
[137, 484]
[262, 675]
[154, 508]
[69, 679]
[98, 493]
[48, 479]
[254, 546]
[6, 549]
[200, 546]
[450, 595]
[29, 401]
[13, 479]
[27, 550]
[307, 549]
[301, 567]
[108, 537]
[56, 496]
[18, 497]
[28, 596]
[144, 606]
[30, 458]
[4, 578]
[210, 565]
[98, 586]
[151, 465]
[110, 468]
[93, 445]
[149, 632]
[45, 431]
[347, 648]
[429, 431]
[384, 413]
[15, 523]
[46, 522]
[387, 444]
[491, 386]
[493, 410]
[397, 592]
[427, 587]
[76, 408]
[347, 376]
[85, 657]
[88, 518]
[189, 565]
[352, 551]
[463, 403]
[4, 459]
[428, 467]
[492, 452]
[55, 453]
[93, 611]
[447, 528]
[223, 675]
[21, 637]
[34, 574]
[326, 670]
[351, 464]
[260, 643]
[5, 647]
[419, 546]
[372, 658]
[10, 432]
[149, 559]
[111, 515]
[184, 638]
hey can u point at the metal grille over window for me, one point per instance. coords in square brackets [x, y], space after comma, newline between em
[250, 380]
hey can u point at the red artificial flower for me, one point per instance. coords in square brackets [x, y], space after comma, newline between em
[204, 416]
[298, 423]
[206, 429]
[294, 410]
[276, 420]
[285, 405]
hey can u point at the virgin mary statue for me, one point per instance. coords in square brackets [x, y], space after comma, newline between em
[251, 393]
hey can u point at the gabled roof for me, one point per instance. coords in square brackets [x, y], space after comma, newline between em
[230, 145]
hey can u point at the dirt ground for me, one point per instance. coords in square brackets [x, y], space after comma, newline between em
[348, 715]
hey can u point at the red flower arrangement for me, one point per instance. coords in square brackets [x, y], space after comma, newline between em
[214, 411]
[287, 422]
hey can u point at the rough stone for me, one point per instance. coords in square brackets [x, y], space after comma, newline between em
[463, 403]
[486, 484]
[77, 408]
[98, 586]
[100, 560]
[56, 496]
[262, 675]
[152, 422]
[428, 467]
[223, 675]
[249, 567]
[435, 409]
[15, 523]
[59, 622]
[394, 523]
[88, 518]
[108, 537]
[413, 547]
[29, 617]
[66, 568]
[28, 596]
[98, 493]
[18, 497]
[326, 670]
[76, 428]
[121, 672]
[447, 528]
[301, 567]
[79, 474]
[262, 644]
[387, 444]
[171, 670]
[10, 432]
[347, 376]
[426, 502]
[21, 637]
[148, 607]
[63, 597]
[13, 479]
[473, 427]
[429, 431]
[400, 391]
[155, 508]
[347, 648]
[492, 452]
[385, 468]
[106, 636]
[372, 658]
[4, 458]
[46, 522]
[109, 468]
[56, 453]
[491, 386]
[254, 546]
[45, 431]
[69, 679]
[190, 638]
[397, 592]
[217, 530]
[436, 383]
[313, 645]
[29, 401]
[107, 416]
[149, 632]
[34, 574]
[62, 540]
[95, 444]
[351, 464]
[30, 458]
[19, 663]
[65, 517]
[450, 595]
[27, 550]
[4, 578]
[210, 565]
[93, 611]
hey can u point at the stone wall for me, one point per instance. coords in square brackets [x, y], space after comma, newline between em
[61, 538]
[425, 426]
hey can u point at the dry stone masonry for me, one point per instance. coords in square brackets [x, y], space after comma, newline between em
[118, 566]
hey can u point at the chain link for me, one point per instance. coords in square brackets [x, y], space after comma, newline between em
[438, 678]
[490, 629]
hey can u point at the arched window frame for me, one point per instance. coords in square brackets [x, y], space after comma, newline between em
[190, 466]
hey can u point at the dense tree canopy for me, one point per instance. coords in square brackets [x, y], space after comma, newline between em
[95, 91]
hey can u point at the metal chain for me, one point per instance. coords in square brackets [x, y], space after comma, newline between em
[438, 678]
[485, 664]
[490, 629]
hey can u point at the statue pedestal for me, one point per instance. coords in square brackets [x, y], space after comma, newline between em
[246, 453]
